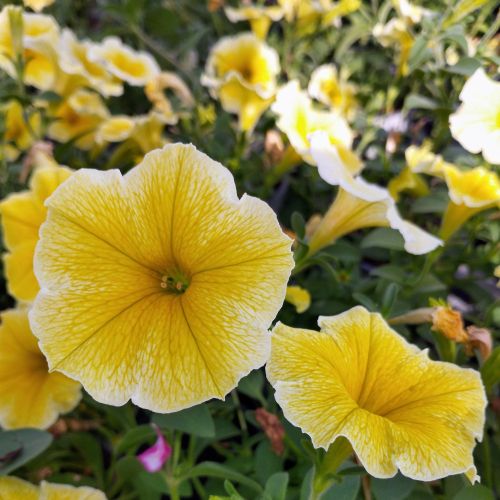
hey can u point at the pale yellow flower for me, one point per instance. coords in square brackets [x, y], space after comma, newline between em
[20, 133]
[359, 379]
[131, 66]
[297, 118]
[396, 34]
[148, 132]
[78, 118]
[476, 123]
[358, 205]
[471, 192]
[241, 71]
[74, 60]
[13, 488]
[22, 215]
[115, 129]
[38, 5]
[299, 297]
[259, 16]
[39, 39]
[333, 90]
[411, 13]
[158, 286]
[30, 396]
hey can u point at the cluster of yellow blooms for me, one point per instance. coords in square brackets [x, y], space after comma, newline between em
[159, 286]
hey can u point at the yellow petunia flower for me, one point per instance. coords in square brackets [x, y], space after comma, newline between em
[358, 205]
[115, 129]
[476, 123]
[158, 286]
[148, 132]
[299, 297]
[359, 379]
[396, 34]
[74, 60]
[20, 133]
[333, 90]
[13, 488]
[39, 40]
[78, 118]
[22, 215]
[131, 66]
[38, 5]
[298, 119]
[259, 16]
[471, 192]
[30, 396]
[241, 71]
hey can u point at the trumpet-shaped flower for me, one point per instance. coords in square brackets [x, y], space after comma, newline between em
[39, 38]
[22, 215]
[396, 34]
[241, 71]
[131, 66]
[476, 123]
[78, 118]
[333, 90]
[158, 286]
[74, 60]
[20, 133]
[358, 204]
[260, 17]
[299, 297]
[359, 379]
[13, 488]
[30, 396]
[470, 192]
[298, 119]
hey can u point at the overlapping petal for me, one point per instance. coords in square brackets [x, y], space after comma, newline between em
[21, 216]
[359, 379]
[158, 286]
[30, 396]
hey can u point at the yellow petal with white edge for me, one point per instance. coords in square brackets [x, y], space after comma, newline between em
[111, 248]
[359, 379]
[30, 396]
[21, 280]
[13, 488]
[50, 491]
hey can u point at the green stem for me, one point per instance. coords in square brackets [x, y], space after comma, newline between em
[337, 453]
[486, 471]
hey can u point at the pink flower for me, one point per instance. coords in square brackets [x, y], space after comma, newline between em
[155, 457]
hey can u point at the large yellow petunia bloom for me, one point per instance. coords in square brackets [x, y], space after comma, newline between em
[471, 191]
[22, 215]
[298, 119]
[241, 71]
[476, 123]
[39, 39]
[359, 379]
[30, 396]
[158, 286]
[13, 488]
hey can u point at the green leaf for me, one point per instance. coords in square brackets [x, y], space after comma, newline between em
[196, 420]
[419, 53]
[347, 489]
[389, 298]
[383, 237]
[298, 224]
[252, 386]
[417, 101]
[466, 66]
[276, 486]
[396, 488]
[490, 371]
[213, 469]
[435, 203]
[91, 453]
[266, 461]
[134, 438]
[20, 446]
[462, 9]
[476, 492]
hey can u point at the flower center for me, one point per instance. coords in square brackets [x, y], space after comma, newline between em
[175, 282]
